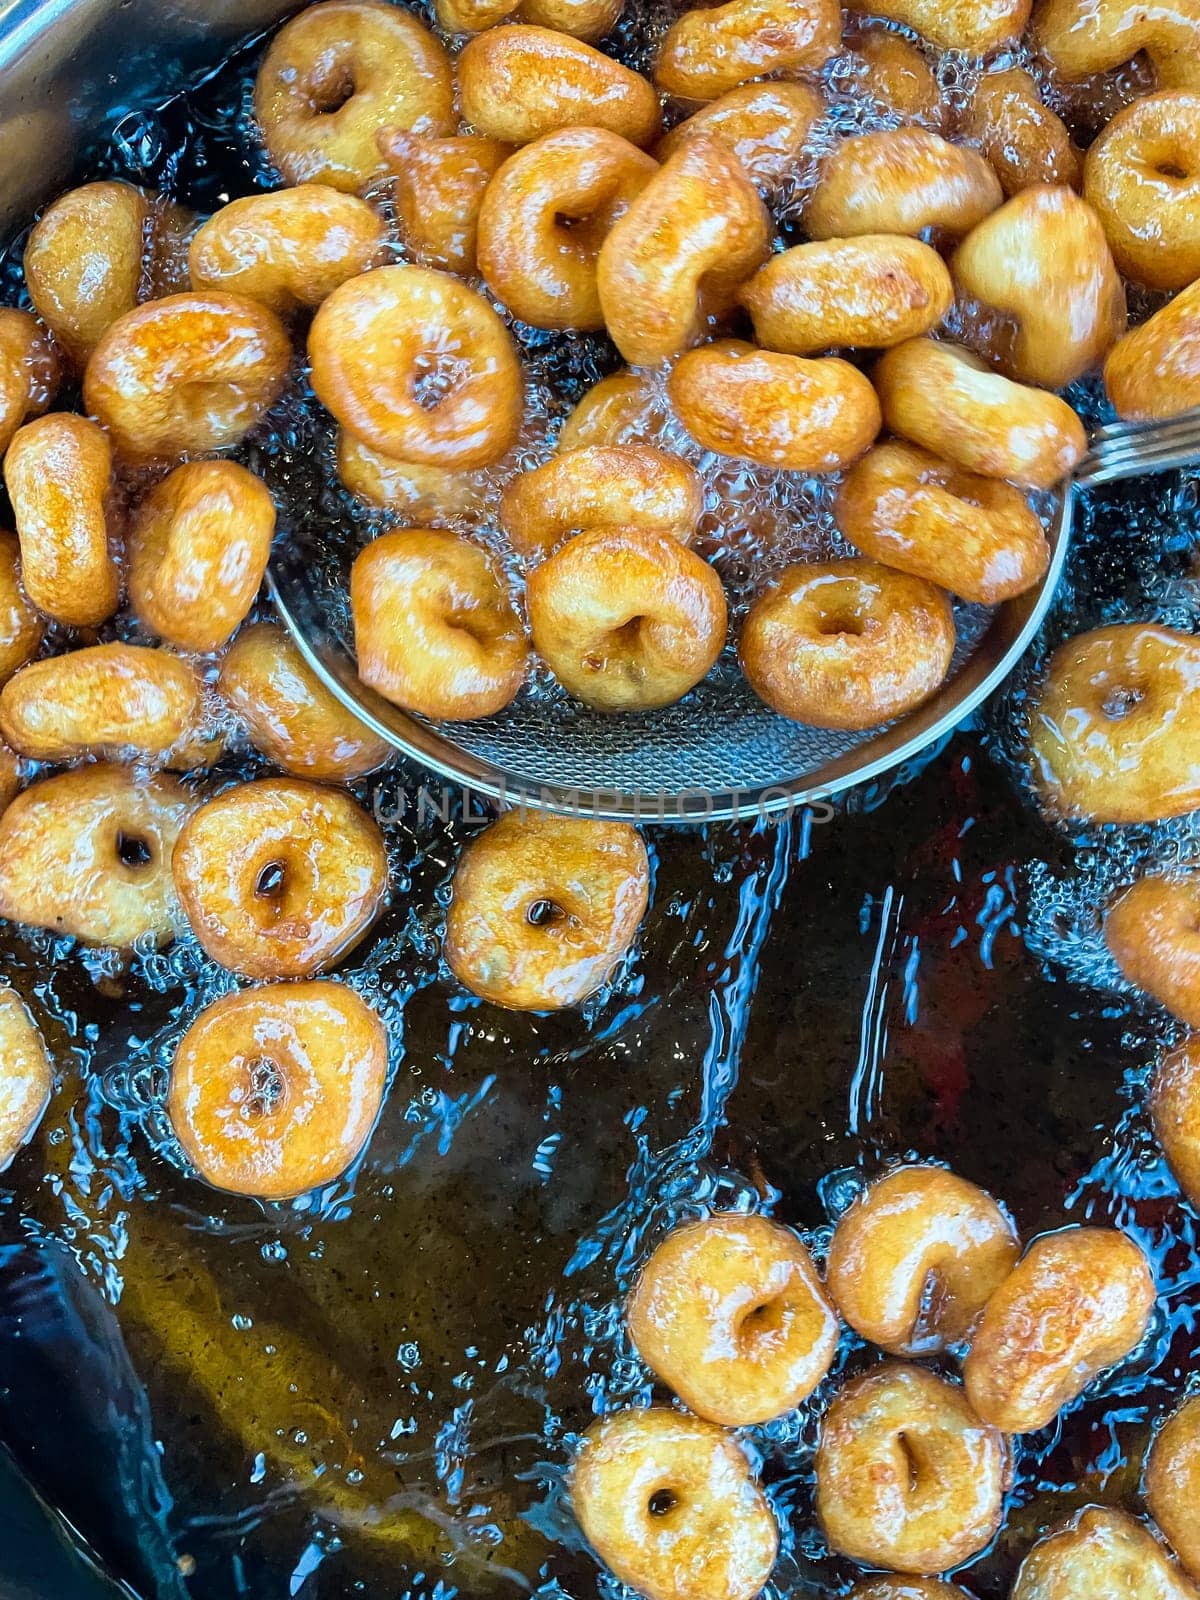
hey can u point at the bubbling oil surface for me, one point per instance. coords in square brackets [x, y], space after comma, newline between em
[375, 1389]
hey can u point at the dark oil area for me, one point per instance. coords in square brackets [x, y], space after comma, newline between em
[375, 1390]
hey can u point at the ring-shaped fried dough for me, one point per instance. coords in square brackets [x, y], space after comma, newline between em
[1043, 261]
[846, 644]
[337, 73]
[624, 408]
[419, 366]
[518, 83]
[186, 374]
[88, 853]
[1152, 930]
[197, 549]
[1154, 370]
[28, 371]
[907, 1589]
[712, 49]
[1100, 1552]
[26, 1076]
[908, 1477]
[288, 249]
[777, 410]
[438, 187]
[600, 486]
[582, 19]
[1172, 1481]
[1083, 37]
[948, 400]
[435, 630]
[22, 627]
[1023, 139]
[668, 1501]
[289, 715]
[1175, 1112]
[917, 1257]
[432, 497]
[1077, 1302]
[280, 878]
[1115, 730]
[897, 76]
[729, 1312]
[58, 471]
[977, 537]
[766, 125]
[543, 908]
[627, 619]
[546, 214]
[116, 700]
[871, 292]
[692, 236]
[901, 180]
[275, 1090]
[962, 25]
[1142, 176]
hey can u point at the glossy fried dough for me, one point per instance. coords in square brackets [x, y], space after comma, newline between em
[1152, 930]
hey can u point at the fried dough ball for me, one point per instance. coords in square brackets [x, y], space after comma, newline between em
[289, 715]
[691, 237]
[280, 878]
[1173, 1481]
[1043, 261]
[777, 410]
[901, 180]
[1076, 1304]
[947, 399]
[28, 371]
[1115, 732]
[434, 629]
[1082, 37]
[88, 853]
[624, 408]
[908, 1477]
[1175, 1111]
[729, 1312]
[1154, 371]
[288, 249]
[438, 189]
[543, 908]
[712, 49]
[846, 644]
[582, 19]
[58, 471]
[22, 628]
[916, 1258]
[898, 78]
[873, 291]
[907, 1589]
[669, 1503]
[186, 374]
[546, 214]
[429, 496]
[106, 699]
[12, 776]
[766, 125]
[518, 83]
[1099, 1553]
[1143, 177]
[972, 535]
[275, 1091]
[1152, 931]
[419, 366]
[198, 547]
[26, 1075]
[600, 486]
[337, 73]
[963, 25]
[1022, 138]
[97, 252]
[627, 619]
